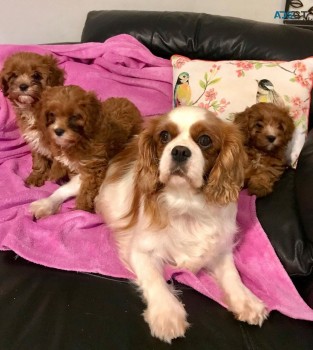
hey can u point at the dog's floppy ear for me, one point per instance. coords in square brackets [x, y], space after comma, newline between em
[4, 86]
[242, 120]
[227, 175]
[56, 74]
[147, 170]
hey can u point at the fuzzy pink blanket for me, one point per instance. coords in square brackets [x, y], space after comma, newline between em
[79, 241]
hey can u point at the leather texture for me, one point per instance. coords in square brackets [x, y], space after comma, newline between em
[50, 309]
[46, 309]
[202, 36]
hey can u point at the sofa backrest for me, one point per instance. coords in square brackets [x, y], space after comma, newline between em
[202, 36]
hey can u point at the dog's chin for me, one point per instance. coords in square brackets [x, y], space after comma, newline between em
[177, 177]
[63, 142]
[23, 100]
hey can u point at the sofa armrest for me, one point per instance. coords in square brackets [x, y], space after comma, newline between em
[304, 186]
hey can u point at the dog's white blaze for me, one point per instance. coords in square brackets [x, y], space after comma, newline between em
[185, 117]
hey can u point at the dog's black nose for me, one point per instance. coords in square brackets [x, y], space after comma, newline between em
[180, 154]
[59, 131]
[23, 87]
[271, 138]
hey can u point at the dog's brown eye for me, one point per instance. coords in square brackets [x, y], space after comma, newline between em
[281, 127]
[12, 76]
[259, 125]
[165, 136]
[50, 117]
[76, 118]
[37, 76]
[204, 141]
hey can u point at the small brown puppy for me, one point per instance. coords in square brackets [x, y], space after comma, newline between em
[86, 133]
[23, 78]
[267, 130]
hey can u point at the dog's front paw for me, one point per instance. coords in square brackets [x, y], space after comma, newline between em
[249, 309]
[35, 180]
[43, 207]
[167, 322]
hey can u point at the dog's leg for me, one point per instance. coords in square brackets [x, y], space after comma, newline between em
[92, 177]
[239, 299]
[40, 170]
[165, 314]
[50, 205]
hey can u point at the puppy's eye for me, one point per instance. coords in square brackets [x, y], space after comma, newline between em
[281, 127]
[259, 125]
[165, 136]
[37, 76]
[204, 141]
[12, 76]
[50, 117]
[75, 119]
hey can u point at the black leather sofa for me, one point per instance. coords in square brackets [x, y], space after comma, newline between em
[42, 308]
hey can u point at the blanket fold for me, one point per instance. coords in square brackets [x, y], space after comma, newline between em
[79, 241]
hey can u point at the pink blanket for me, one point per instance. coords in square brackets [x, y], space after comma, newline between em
[79, 241]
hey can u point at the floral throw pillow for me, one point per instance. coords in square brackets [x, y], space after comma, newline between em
[228, 87]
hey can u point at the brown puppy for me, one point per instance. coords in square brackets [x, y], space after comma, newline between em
[86, 133]
[267, 130]
[24, 76]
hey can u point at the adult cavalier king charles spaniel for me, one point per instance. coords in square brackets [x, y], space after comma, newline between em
[171, 198]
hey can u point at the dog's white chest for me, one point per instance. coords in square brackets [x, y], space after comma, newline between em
[196, 238]
[32, 135]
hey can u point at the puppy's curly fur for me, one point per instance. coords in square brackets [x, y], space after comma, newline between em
[23, 78]
[86, 133]
[267, 130]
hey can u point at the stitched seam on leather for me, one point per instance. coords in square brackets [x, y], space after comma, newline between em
[247, 339]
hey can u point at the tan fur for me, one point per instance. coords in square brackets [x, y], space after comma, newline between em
[92, 133]
[22, 79]
[267, 160]
[170, 199]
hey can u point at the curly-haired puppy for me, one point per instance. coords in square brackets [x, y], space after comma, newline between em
[24, 76]
[267, 130]
[85, 134]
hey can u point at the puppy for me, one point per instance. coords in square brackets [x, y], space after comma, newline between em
[267, 130]
[171, 198]
[23, 78]
[84, 135]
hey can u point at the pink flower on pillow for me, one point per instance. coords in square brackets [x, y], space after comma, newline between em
[180, 61]
[210, 95]
[300, 67]
[245, 65]
[304, 82]
[204, 105]
[296, 101]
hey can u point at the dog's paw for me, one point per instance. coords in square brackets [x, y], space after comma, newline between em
[167, 322]
[249, 309]
[43, 207]
[35, 180]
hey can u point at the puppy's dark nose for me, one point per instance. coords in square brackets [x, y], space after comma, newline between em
[23, 87]
[271, 138]
[59, 131]
[180, 154]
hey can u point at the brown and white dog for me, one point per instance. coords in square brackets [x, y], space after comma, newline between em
[267, 130]
[24, 76]
[171, 198]
[84, 134]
